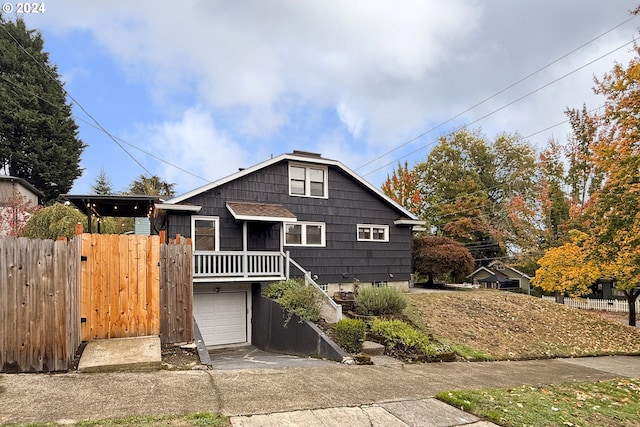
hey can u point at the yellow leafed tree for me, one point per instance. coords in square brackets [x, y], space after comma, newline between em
[566, 268]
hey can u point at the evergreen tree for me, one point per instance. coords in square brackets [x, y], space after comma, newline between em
[102, 184]
[152, 186]
[38, 136]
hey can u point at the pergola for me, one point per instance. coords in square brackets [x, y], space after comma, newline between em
[100, 205]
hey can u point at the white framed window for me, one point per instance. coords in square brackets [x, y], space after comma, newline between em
[308, 181]
[373, 233]
[304, 234]
[205, 233]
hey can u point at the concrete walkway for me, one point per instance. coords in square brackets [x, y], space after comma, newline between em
[396, 394]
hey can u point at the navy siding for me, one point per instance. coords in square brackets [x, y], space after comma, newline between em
[349, 204]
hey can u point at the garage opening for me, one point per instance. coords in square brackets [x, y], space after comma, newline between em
[221, 317]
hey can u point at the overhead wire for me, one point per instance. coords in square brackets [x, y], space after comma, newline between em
[74, 100]
[504, 106]
[499, 92]
[484, 190]
[88, 123]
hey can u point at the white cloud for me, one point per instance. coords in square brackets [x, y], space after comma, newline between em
[193, 143]
[387, 70]
[353, 121]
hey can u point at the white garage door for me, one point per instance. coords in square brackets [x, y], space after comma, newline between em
[222, 318]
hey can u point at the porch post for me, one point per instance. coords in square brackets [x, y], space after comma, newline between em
[286, 266]
[245, 266]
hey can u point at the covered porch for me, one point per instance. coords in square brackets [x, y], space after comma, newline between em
[262, 257]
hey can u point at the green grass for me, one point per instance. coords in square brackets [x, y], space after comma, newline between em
[604, 403]
[201, 419]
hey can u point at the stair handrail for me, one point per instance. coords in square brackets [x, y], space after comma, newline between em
[309, 281]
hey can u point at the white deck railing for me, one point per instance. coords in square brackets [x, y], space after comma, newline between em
[240, 265]
[251, 265]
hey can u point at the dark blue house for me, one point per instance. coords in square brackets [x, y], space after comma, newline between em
[292, 215]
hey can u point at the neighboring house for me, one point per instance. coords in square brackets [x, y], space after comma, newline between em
[9, 187]
[497, 275]
[291, 214]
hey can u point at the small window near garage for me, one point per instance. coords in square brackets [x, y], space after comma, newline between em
[308, 181]
[304, 234]
[205, 233]
[381, 284]
[373, 233]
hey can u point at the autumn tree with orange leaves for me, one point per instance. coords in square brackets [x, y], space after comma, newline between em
[614, 209]
[402, 188]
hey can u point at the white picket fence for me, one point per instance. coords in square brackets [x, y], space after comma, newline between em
[596, 304]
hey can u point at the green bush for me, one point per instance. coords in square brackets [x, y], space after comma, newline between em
[296, 298]
[378, 301]
[276, 289]
[303, 301]
[350, 334]
[402, 337]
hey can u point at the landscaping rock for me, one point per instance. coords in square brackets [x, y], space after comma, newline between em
[372, 348]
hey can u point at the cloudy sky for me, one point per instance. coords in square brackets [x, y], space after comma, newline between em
[194, 90]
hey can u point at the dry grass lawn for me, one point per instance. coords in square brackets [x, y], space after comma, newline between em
[505, 325]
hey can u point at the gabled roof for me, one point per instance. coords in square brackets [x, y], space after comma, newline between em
[494, 273]
[510, 268]
[248, 211]
[298, 157]
[26, 184]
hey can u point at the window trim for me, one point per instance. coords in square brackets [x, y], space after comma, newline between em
[371, 227]
[216, 221]
[303, 224]
[307, 180]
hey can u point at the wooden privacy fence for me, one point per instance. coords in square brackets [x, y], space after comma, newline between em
[39, 310]
[120, 294]
[54, 295]
[176, 291]
[134, 286]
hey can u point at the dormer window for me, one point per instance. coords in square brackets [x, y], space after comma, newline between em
[307, 181]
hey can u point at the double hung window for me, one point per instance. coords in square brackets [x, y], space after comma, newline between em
[308, 181]
[304, 234]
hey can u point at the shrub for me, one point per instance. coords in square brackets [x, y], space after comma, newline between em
[296, 298]
[276, 289]
[377, 301]
[400, 335]
[350, 334]
[404, 338]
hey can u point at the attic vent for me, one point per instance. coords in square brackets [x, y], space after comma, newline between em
[306, 154]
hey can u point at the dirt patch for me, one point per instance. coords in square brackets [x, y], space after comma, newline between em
[179, 358]
[514, 326]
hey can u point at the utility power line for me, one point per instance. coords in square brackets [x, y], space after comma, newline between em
[505, 106]
[75, 101]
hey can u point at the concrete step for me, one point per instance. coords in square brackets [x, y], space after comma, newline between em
[372, 348]
[122, 354]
